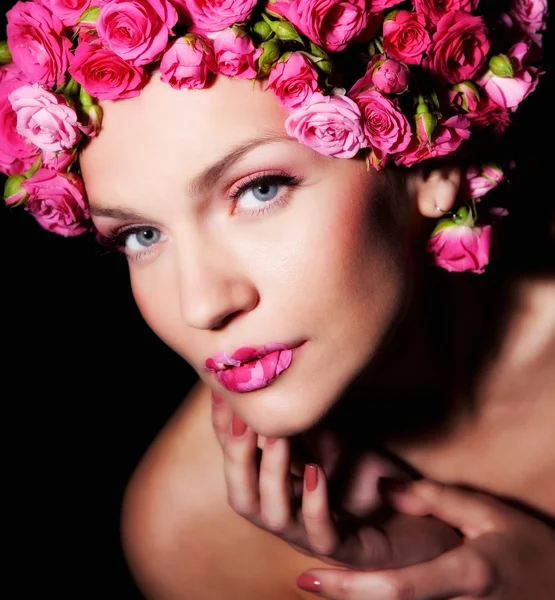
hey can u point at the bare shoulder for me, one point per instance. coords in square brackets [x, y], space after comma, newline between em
[181, 539]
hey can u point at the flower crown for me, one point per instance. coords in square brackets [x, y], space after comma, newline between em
[399, 81]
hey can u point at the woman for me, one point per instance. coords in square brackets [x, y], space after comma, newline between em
[321, 291]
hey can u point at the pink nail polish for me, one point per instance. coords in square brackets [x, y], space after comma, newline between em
[271, 441]
[217, 400]
[238, 426]
[309, 583]
[311, 477]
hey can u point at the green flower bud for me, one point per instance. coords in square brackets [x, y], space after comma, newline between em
[5, 54]
[467, 94]
[14, 192]
[90, 15]
[422, 105]
[425, 126]
[317, 51]
[33, 168]
[463, 217]
[94, 119]
[324, 65]
[262, 30]
[501, 66]
[270, 55]
[84, 98]
[286, 32]
[391, 15]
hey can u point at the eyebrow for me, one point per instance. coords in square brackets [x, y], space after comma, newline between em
[209, 177]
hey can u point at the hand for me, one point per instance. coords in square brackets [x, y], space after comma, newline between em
[506, 554]
[292, 501]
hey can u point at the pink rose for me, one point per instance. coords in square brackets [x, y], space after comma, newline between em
[390, 76]
[330, 125]
[136, 30]
[509, 92]
[379, 5]
[531, 15]
[293, 81]
[447, 137]
[459, 47]
[68, 11]
[236, 56]
[10, 72]
[57, 160]
[435, 9]
[405, 37]
[187, 63]
[385, 126]
[16, 153]
[461, 248]
[44, 118]
[37, 44]
[208, 16]
[104, 75]
[482, 180]
[489, 115]
[331, 24]
[57, 201]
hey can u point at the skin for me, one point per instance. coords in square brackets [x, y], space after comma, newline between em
[322, 268]
[328, 267]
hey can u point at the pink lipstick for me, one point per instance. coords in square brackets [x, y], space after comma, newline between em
[248, 369]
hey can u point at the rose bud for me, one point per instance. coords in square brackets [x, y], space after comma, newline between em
[286, 32]
[5, 55]
[482, 180]
[465, 94]
[270, 55]
[14, 193]
[501, 66]
[390, 76]
[458, 245]
[426, 121]
[263, 30]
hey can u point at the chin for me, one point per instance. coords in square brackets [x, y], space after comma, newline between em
[285, 410]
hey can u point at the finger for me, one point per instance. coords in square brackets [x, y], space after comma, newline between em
[471, 512]
[317, 519]
[275, 485]
[221, 417]
[461, 572]
[363, 495]
[241, 469]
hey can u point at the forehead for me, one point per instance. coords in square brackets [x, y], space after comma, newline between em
[165, 136]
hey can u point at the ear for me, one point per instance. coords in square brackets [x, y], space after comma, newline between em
[436, 190]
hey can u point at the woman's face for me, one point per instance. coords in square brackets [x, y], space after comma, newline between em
[305, 257]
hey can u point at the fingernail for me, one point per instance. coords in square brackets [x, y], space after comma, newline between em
[217, 400]
[271, 441]
[238, 426]
[309, 583]
[311, 477]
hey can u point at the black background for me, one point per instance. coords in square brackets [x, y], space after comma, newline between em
[86, 385]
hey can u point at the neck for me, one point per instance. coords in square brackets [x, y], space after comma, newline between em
[423, 381]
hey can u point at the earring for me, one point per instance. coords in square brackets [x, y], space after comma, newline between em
[444, 212]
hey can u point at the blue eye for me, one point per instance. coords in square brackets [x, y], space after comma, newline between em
[141, 238]
[262, 191]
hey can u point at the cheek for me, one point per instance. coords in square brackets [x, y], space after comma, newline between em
[158, 302]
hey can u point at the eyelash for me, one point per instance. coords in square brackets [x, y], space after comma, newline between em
[117, 238]
[281, 178]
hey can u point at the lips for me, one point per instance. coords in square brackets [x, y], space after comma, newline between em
[249, 369]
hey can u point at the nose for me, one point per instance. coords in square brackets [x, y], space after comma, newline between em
[213, 290]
